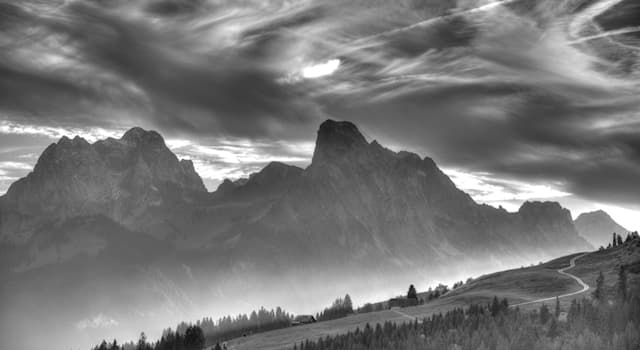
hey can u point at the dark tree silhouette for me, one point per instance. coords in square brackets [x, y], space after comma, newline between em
[619, 240]
[545, 315]
[194, 338]
[598, 292]
[412, 294]
[142, 343]
[348, 304]
[495, 307]
[622, 284]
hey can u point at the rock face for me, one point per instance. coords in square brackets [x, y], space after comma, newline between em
[120, 179]
[598, 227]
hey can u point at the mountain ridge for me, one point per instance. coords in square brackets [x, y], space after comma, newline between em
[357, 209]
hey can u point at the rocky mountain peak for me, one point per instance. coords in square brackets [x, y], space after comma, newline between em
[138, 134]
[553, 211]
[597, 214]
[336, 138]
[118, 178]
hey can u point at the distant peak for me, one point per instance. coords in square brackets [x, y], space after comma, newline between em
[138, 134]
[336, 138]
[598, 212]
[278, 166]
[536, 208]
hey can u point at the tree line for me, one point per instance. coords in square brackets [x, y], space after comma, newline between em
[207, 332]
[608, 320]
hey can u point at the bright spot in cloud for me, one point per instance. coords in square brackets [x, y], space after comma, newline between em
[321, 69]
[486, 188]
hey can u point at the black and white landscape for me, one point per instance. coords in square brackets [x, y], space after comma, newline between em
[167, 161]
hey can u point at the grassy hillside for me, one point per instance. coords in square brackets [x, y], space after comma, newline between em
[517, 285]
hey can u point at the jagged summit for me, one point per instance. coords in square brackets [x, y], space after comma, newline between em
[138, 135]
[336, 138]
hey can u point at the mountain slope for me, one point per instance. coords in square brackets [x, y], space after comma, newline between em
[598, 227]
[517, 285]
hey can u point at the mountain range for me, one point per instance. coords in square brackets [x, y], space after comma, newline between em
[96, 224]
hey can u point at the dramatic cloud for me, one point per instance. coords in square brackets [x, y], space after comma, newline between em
[521, 98]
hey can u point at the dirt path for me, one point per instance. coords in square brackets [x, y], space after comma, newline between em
[584, 287]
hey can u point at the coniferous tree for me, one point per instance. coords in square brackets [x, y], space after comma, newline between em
[495, 307]
[504, 304]
[615, 241]
[557, 311]
[194, 338]
[619, 240]
[142, 342]
[598, 292]
[412, 293]
[544, 314]
[348, 304]
[622, 284]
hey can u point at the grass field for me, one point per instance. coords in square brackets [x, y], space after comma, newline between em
[517, 285]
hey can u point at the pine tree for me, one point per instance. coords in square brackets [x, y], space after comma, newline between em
[348, 304]
[544, 314]
[598, 292]
[619, 240]
[142, 342]
[495, 307]
[412, 294]
[615, 241]
[557, 311]
[194, 338]
[622, 284]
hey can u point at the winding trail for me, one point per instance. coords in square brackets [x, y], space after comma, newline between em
[562, 271]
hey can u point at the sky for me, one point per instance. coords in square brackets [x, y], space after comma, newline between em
[515, 100]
